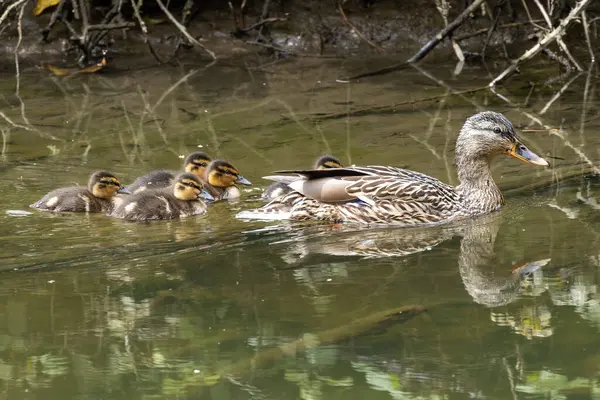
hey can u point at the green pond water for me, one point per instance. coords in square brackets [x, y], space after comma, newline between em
[214, 307]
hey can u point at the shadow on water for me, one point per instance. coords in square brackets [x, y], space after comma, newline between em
[504, 306]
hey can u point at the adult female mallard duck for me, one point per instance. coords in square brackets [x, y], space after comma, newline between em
[96, 197]
[395, 196]
[194, 163]
[184, 198]
[278, 189]
[221, 178]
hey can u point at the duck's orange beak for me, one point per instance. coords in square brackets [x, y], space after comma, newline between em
[521, 152]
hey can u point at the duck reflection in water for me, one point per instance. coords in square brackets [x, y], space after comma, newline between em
[485, 283]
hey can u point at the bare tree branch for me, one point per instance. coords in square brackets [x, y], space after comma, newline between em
[183, 30]
[549, 38]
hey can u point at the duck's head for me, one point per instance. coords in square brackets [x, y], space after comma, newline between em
[105, 185]
[188, 187]
[222, 174]
[196, 163]
[327, 161]
[488, 134]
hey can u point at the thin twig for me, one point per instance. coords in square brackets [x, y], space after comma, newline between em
[531, 20]
[263, 16]
[586, 31]
[174, 86]
[5, 137]
[585, 103]
[183, 30]
[27, 128]
[445, 32]
[511, 378]
[261, 23]
[459, 38]
[136, 12]
[102, 27]
[559, 93]
[9, 8]
[17, 68]
[53, 18]
[144, 28]
[359, 33]
[84, 22]
[491, 32]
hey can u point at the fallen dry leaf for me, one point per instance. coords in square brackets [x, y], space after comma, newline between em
[41, 5]
[59, 71]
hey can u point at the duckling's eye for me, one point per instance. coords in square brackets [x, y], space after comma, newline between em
[228, 172]
[202, 164]
[497, 130]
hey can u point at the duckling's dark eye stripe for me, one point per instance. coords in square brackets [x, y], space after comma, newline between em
[228, 171]
[192, 184]
[110, 182]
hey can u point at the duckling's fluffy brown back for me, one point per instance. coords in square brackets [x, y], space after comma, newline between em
[74, 198]
[153, 180]
[157, 204]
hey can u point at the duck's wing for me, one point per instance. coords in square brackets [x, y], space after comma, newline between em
[371, 194]
[399, 185]
[369, 184]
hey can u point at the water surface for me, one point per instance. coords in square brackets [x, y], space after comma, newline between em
[216, 308]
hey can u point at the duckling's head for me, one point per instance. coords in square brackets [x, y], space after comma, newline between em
[327, 161]
[488, 134]
[188, 187]
[105, 185]
[196, 163]
[223, 175]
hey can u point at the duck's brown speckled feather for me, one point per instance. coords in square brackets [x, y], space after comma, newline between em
[386, 195]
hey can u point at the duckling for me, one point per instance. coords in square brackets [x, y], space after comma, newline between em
[96, 197]
[194, 163]
[221, 178]
[277, 189]
[183, 199]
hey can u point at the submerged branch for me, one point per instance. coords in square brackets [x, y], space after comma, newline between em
[389, 107]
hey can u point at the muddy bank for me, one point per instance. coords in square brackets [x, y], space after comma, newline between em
[305, 27]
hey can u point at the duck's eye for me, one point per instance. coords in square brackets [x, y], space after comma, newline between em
[228, 172]
[497, 130]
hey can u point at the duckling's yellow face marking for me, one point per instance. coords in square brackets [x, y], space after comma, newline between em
[197, 167]
[223, 176]
[187, 190]
[106, 187]
[330, 164]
